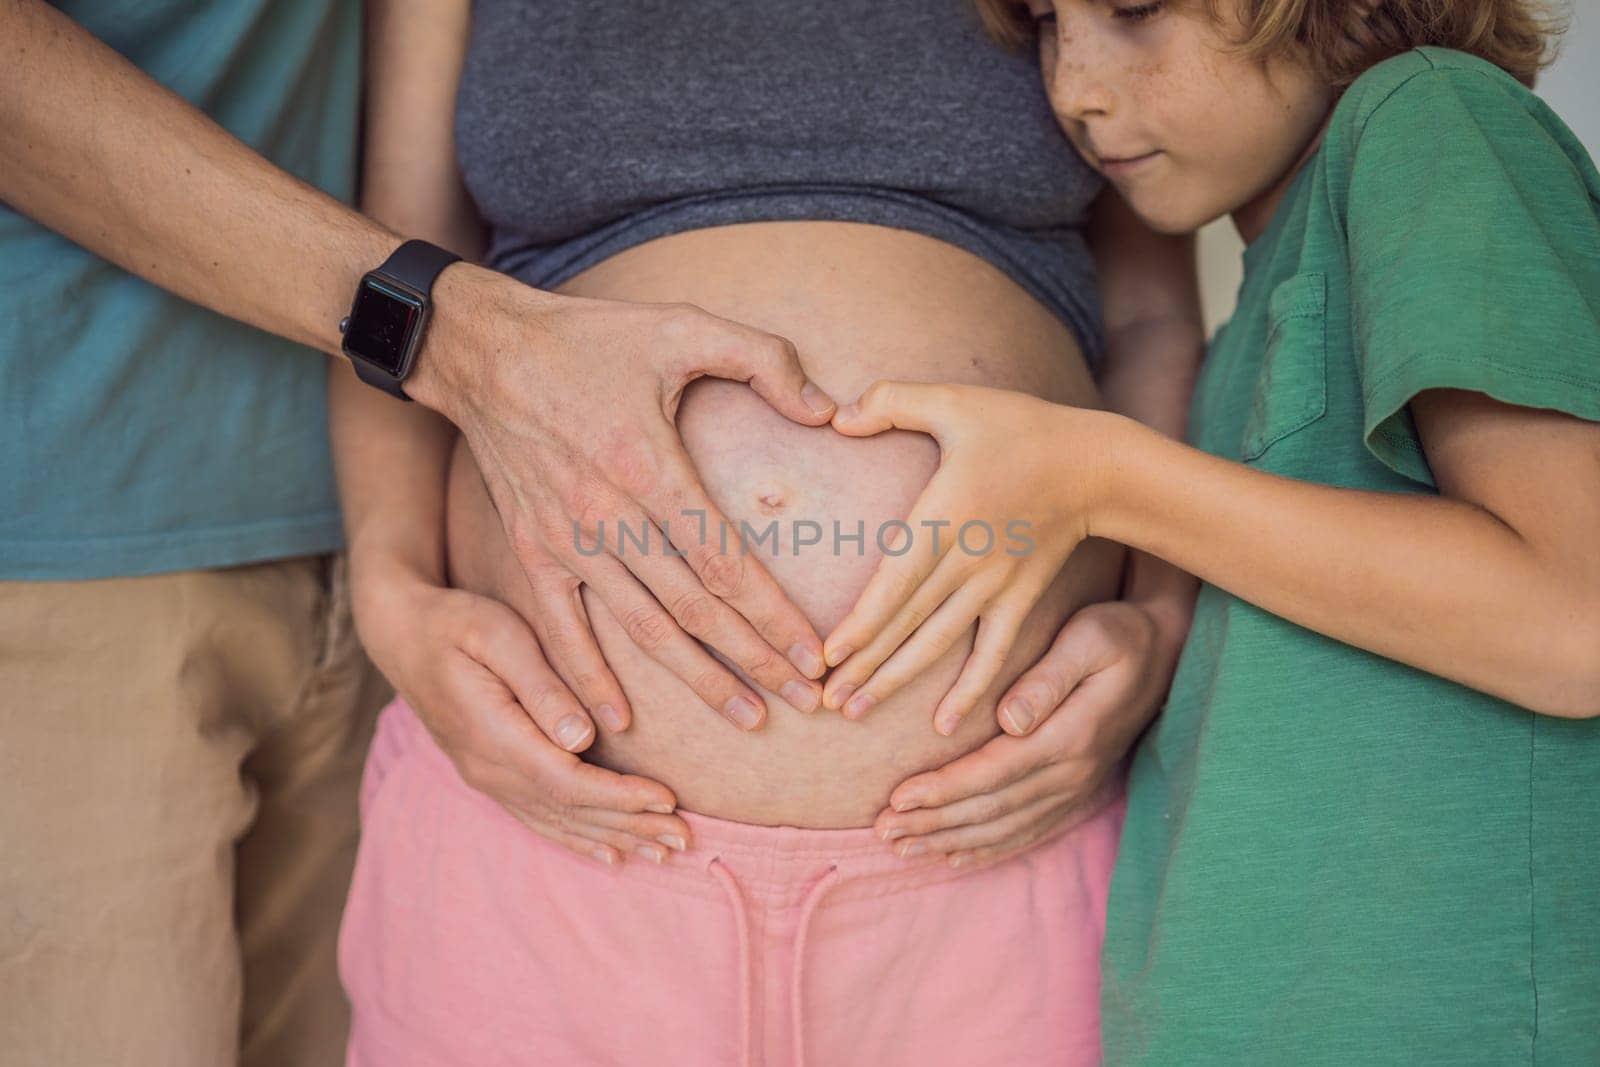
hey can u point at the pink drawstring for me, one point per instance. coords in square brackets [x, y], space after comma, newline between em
[796, 986]
[813, 897]
[736, 901]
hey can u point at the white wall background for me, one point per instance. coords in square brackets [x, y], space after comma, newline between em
[1571, 85]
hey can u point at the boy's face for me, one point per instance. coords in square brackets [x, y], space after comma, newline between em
[1156, 98]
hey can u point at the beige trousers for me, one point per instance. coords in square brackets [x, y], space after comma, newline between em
[179, 760]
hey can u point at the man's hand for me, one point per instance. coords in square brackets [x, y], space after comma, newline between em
[569, 406]
[479, 560]
[474, 674]
[1070, 720]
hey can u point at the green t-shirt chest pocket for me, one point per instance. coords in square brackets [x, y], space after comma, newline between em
[1292, 389]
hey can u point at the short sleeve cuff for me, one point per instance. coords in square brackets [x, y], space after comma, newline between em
[1390, 435]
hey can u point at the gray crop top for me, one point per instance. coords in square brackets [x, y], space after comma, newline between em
[584, 127]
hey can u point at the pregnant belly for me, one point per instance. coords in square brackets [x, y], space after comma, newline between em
[861, 303]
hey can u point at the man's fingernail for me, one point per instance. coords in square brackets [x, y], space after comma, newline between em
[605, 856]
[816, 399]
[800, 696]
[743, 711]
[842, 693]
[914, 848]
[572, 731]
[859, 705]
[659, 809]
[806, 660]
[1018, 715]
[850, 410]
[911, 804]
[840, 654]
[651, 853]
[959, 860]
[611, 717]
[892, 833]
[672, 841]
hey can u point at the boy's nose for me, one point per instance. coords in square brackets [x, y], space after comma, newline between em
[1077, 92]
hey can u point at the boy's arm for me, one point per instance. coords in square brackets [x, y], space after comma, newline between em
[1495, 583]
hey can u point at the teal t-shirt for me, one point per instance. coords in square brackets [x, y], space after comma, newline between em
[1329, 857]
[140, 433]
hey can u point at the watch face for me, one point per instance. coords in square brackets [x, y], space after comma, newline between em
[383, 324]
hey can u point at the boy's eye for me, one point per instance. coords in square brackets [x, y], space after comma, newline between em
[1138, 12]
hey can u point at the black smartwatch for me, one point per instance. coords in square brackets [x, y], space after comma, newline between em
[390, 313]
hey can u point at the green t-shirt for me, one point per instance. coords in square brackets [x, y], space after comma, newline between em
[1329, 857]
[140, 433]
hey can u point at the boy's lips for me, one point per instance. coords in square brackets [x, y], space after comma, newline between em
[1117, 166]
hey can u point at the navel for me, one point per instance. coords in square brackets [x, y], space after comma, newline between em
[772, 501]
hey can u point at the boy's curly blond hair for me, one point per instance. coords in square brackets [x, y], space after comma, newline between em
[1341, 42]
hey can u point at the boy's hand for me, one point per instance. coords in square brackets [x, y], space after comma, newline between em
[1006, 508]
[473, 672]
[1089, 698]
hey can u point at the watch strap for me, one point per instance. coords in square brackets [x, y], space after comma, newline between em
[379, 379]
[416, 264]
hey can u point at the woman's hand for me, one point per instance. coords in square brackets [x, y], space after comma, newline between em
[473, 672]
[1069, 722]
[1008, 505]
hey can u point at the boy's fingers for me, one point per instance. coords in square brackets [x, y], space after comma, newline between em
[890, 404]
[949, 623]
[908, 584]
[913, 640]
[997, 633]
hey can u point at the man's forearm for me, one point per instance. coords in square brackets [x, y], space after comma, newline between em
[95, 149]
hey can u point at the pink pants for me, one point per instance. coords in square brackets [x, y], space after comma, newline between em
[470, 941]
